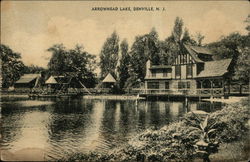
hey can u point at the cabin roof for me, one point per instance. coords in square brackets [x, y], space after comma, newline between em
[109, 79]
[215, 68]
[26, 78]
[194, 51]
[202, 50]
[51, 80]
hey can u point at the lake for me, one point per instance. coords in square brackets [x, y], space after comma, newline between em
[63, 126]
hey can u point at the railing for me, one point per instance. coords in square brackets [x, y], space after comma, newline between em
[238, 89]
[210, 91]
[201, 92]
[158, 77]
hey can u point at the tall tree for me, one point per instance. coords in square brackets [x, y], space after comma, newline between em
[124, 64]
[145, 47]
[109, 55]
[57, 63]
[178, 29]
[11, 66]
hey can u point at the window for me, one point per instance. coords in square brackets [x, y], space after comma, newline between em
[153, 85]
[166, 85]
[164, 73]
[153, 73]
[178, 71]
[183, 85]
[189, 71]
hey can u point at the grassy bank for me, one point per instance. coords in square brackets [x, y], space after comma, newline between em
[177, 141]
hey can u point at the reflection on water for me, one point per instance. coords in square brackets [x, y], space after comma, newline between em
[62, 126]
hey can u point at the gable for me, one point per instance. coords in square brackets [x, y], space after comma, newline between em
[183, 59]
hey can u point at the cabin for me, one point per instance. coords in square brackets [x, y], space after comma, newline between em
[27, 82]
[106, 85]
[192, 73]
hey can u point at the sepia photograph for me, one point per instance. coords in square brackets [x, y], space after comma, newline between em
[125, 80]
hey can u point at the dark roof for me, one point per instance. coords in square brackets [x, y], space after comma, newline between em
[27, 78]
[192, 53]
[202, 50]
[160, 67]
[215, 68]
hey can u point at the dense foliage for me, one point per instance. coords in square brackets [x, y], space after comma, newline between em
[11, 66]
[75, 62]
[177, 140]
[149, 46]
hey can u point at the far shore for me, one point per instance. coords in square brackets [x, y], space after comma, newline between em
[229, 100]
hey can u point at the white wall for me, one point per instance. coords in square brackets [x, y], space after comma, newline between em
[183, 71]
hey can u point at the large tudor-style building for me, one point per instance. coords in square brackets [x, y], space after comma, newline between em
[193, 73]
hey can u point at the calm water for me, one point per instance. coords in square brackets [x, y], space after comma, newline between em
[62, 126]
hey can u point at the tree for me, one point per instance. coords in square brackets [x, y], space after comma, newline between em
[74, 62]
[145, 47]
[228, 46]
[12, 66]
[248, 24]
[178, 29]
[124, 64]
[235, 46]
[173, 45]
[109, 55]
[199, 38]
[242, 69]
[57, 62]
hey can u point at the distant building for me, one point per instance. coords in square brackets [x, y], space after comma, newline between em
[108, 81]
[106, 85]
[28, 81]
[193, 72]
[65, 84]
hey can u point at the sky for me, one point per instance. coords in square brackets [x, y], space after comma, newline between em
[31, 27]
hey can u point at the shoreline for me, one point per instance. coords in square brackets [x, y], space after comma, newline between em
[230, 100]
[113, 97]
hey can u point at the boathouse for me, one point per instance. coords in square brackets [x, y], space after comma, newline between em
[193, 73]
[27, 82]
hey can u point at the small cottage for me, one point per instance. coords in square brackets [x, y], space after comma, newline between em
[108, 81]
[28, 81]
